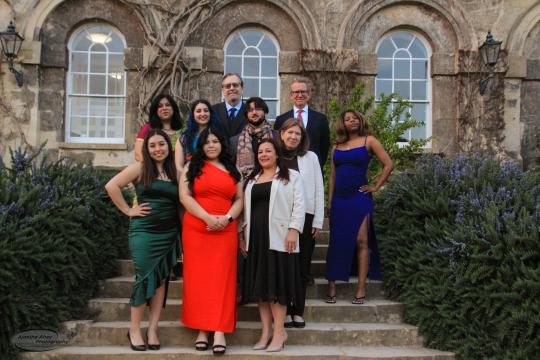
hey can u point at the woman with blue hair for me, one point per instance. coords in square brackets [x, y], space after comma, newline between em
[201, 116]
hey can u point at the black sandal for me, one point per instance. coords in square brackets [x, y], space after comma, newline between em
[204, 346]
[358, 300]
[219, 349]
[330, 299]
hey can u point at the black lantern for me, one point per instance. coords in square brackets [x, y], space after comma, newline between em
[490, 55]
[11, 45]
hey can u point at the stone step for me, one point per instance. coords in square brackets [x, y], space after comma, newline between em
[173, 333]
[373, 311]
[323, 237]
[126, 268]
[121, 287]
[290, 352]
[319, 253]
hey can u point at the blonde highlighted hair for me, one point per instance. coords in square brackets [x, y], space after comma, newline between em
[342, 135]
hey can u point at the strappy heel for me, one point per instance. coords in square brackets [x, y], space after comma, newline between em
[330, 299]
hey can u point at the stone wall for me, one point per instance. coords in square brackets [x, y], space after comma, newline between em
[331, 41]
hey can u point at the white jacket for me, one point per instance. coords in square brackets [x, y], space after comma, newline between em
[312, 181]
[286, 211]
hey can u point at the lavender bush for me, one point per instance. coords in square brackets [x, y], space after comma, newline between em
[59, 234]
[460, 246]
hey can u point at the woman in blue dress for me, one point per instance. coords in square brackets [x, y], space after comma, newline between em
[351, 205]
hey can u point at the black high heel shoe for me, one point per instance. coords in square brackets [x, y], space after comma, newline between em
[219, 349]
[152, 346]
[135, 347]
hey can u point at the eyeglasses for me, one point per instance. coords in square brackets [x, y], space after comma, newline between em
[230, 85]
[300, 92]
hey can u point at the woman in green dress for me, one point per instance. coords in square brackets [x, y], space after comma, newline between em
[153, 231]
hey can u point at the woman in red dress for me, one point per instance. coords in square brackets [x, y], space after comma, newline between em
[211, 192]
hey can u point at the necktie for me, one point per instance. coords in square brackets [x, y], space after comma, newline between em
[232, 112]
[299, 116]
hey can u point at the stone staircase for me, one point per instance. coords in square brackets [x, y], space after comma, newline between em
[334, 331]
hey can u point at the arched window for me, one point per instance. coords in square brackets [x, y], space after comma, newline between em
[403, 68]
[96, 86]
[254, 55]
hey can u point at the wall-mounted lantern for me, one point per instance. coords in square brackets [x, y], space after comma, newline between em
[490, 55]
[11, 42]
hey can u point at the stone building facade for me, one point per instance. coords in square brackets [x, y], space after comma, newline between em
[427, 50]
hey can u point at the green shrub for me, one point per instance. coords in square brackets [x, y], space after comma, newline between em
[60, 234]
[389, 119]
[460, 246]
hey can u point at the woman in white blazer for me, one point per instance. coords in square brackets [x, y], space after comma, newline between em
[273, 219]
[294, 141]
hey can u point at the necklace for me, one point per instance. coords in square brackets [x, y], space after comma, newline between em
[162, 174]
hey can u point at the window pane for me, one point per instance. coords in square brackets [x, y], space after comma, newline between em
[384, 69]
[252, 52]
[402, 54]
[419, 69]
[252, 37]
[386, 49]
[418, 49]
[251, 87]
[97, 84]
[268, 47]
[116, 44]
[233, 64]
[269, 67]
[79, 62]
[268, 88]
[235, 47]
[96, 127]
[79, 83]
[402, 39]
[77, 126]
[251, 67]
[116, 84]
[418, 112]
[82, 42]
[383, 86]
[418, 132]
[79, 106]
[114, 128]
[98, 48]
[419, 90]
[116, 63]
[402, 88]
[98, 107]
[402, 69]
[272, 110]
[116, 107]
[97, 63]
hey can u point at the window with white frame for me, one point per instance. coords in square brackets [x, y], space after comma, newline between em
[254, 55]
[403, 68]
[96, 86]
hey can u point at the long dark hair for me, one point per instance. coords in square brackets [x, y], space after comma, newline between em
[155, 121]
[192, 130]
[197, 161]
[149, 170]
[282, 174]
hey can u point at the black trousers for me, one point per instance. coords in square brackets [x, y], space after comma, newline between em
[307, 245]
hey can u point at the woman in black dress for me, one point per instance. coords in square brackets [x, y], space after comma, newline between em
[273, 219]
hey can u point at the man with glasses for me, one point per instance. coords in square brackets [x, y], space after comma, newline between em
[316, 123]
[231, 112]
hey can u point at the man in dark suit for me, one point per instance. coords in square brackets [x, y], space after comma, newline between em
[315, 122]
[231, 114]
